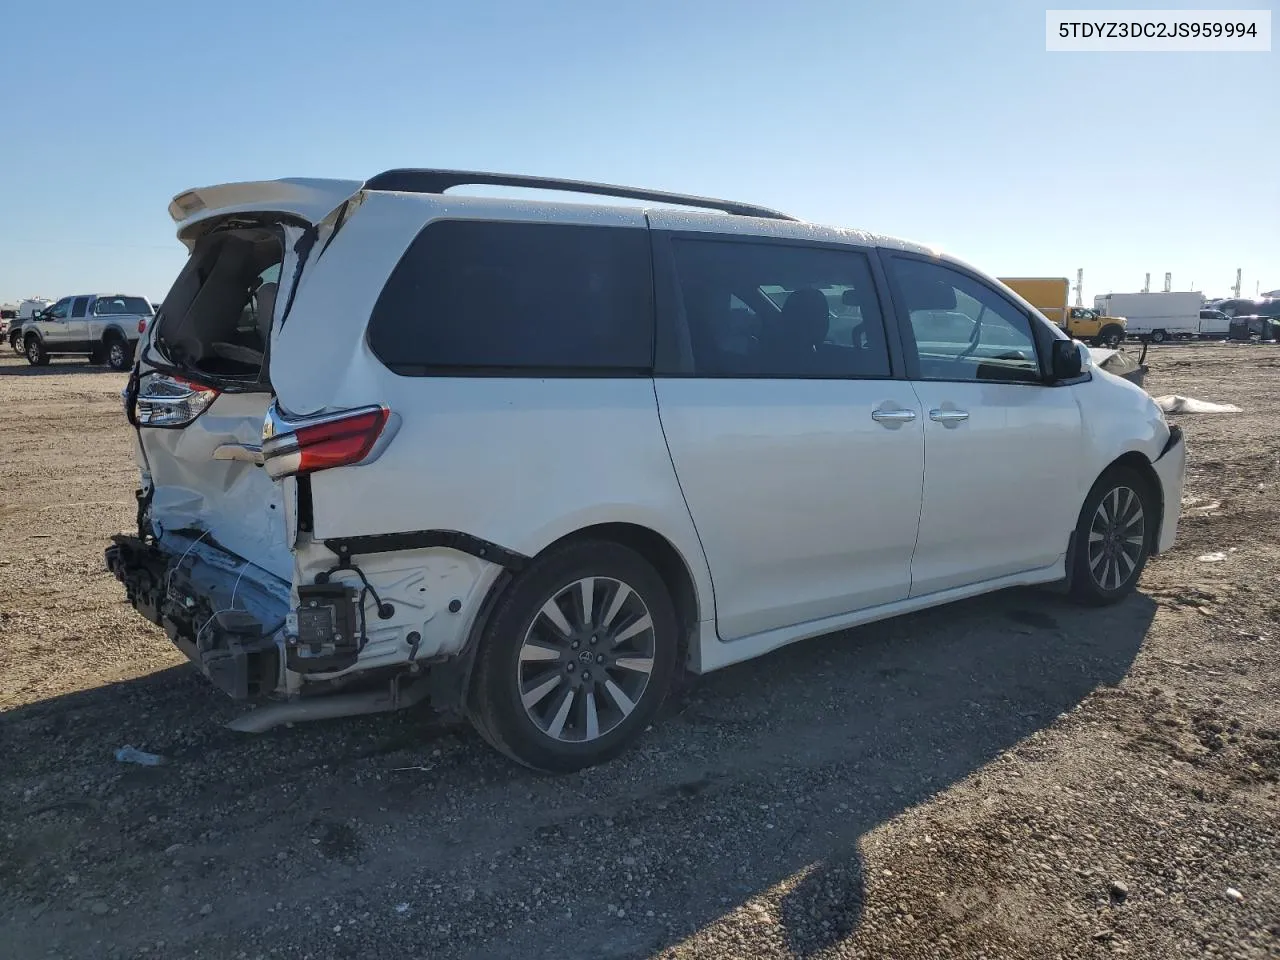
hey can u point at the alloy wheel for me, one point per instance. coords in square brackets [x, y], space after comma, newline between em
[1117, 538]
[115, 355]
[586, 659]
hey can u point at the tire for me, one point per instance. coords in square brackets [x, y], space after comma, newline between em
[15, 341]
[115, 350]
[1106, 571]
[1111, 337]
[1159, 336]
[573, 719]
[37, 356]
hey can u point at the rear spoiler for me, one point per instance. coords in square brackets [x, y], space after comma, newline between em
[308, 200]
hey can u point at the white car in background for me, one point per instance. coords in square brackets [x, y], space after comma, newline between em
[531, 458]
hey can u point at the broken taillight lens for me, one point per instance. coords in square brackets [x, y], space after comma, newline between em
[165, 401]
[335, 440]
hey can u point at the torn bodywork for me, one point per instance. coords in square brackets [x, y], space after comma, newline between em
[225, 618]
[296, 652]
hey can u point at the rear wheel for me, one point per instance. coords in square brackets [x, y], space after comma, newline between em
[1111, 336]
[37, 356]
[1159, 336]
[576, 658]
[1113, 537]
[116, 352]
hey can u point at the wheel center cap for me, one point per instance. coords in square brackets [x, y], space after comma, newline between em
[585, 656]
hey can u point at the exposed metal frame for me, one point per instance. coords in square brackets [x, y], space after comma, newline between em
[411, 180]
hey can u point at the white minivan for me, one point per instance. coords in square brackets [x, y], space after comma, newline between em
[529, 459]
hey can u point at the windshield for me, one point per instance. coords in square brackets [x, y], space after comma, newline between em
[121, 306]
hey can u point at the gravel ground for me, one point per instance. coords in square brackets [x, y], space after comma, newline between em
[1008, 777]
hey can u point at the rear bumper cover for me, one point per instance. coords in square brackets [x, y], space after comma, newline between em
[226, 623]
[1171, 468]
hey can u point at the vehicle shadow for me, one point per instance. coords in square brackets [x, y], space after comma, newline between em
[757, 784]
[58, 367]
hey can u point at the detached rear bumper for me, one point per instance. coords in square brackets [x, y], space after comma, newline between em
[226, 621]
[1171, 468]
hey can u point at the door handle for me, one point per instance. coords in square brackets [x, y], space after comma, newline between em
[243, 452]
[948, 416]
[891, 417]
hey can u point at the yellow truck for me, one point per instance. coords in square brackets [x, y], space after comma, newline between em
[1050, 295]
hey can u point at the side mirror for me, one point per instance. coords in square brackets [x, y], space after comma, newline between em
[1067, 362]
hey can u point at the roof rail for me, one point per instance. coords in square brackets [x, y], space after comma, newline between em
[438, 181]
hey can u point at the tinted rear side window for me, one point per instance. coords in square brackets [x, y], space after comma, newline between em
[779, 311]
[477, 297]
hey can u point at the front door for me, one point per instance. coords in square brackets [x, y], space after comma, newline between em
[799, 455]
[1002, 447]
[53, 326]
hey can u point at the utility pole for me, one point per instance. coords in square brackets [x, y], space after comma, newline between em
[1235, 291]
[1079, 287]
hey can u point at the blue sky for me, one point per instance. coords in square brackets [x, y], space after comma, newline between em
[942, 122]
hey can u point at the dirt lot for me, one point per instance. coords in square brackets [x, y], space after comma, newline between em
[1010, 777]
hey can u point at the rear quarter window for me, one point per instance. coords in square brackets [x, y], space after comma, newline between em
[121, 306]
[481, 297]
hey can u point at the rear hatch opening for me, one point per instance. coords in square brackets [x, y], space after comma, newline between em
[215, 324]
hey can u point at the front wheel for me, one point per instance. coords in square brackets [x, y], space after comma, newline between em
[37, 356]
[1159, 336]
[1113, 537]
[576, 659]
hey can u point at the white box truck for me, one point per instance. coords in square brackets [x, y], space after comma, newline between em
[1154, 316]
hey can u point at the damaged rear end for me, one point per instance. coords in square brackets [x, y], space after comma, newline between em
[223, 615]
[212, 561]
[276, 544]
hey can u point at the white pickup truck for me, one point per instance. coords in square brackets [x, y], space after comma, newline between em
[102, 326]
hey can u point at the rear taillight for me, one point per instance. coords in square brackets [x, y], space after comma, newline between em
[142, 325]
[292, 447]
[165, 401]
